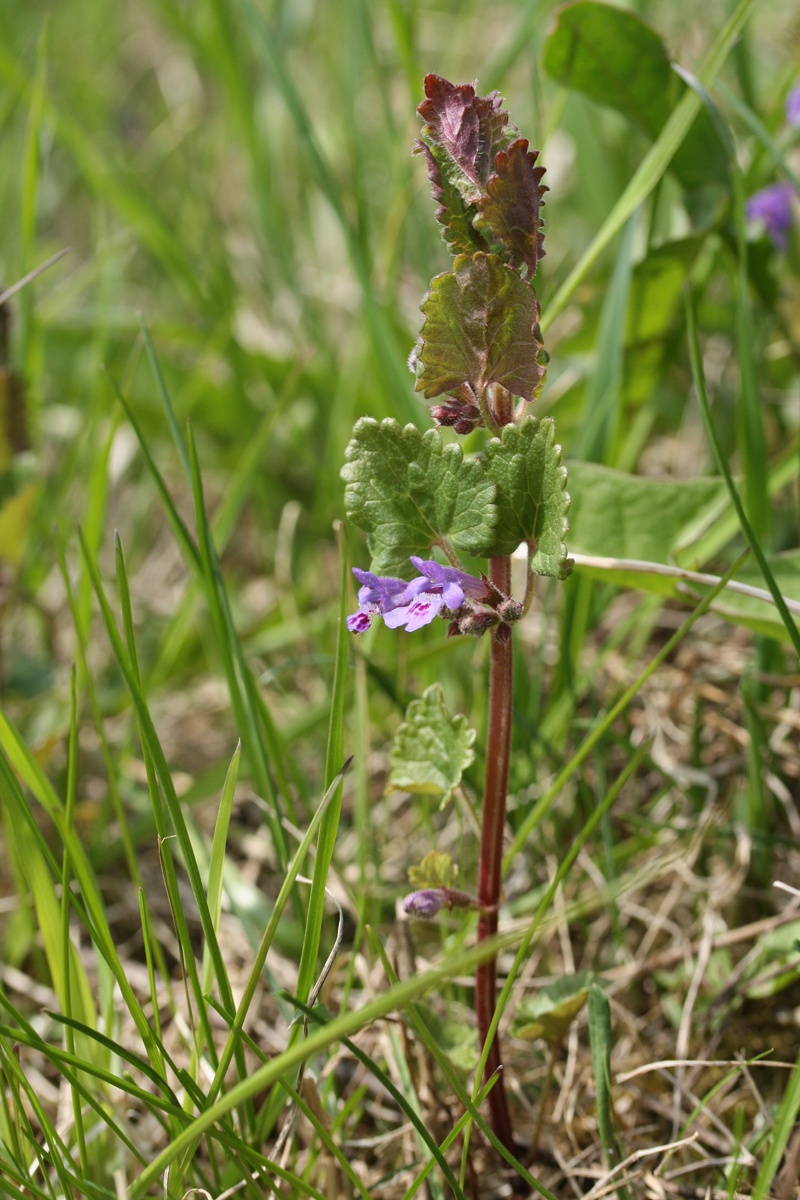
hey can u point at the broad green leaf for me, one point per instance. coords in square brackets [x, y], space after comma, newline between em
[431, 749]
[510, 212]
[638, 524]
[470, 129]
[437, 870]
[655, 314]
[611, 56]
[454, 213]
[531, 498]
[552, 1010]
[410, 492]
[480, 326]
[628, 516]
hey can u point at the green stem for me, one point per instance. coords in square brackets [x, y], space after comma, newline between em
[498, 747]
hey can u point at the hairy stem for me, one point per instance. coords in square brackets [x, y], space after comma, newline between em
[498, 745]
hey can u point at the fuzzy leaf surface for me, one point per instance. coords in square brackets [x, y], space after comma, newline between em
[455, 214]
[409, 492]
[613, 57]
[431, 749]
[532, 500]
[510, 211]
[437, 870]
[480, 325]
[470, 129]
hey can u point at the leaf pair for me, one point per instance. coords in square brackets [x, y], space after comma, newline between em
[410, 492]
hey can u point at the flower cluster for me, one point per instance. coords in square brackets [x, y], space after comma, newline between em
[415, 603]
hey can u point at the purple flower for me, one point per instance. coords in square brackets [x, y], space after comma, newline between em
[416, 603]
[793, 106]
[425, 903]
[772, 206]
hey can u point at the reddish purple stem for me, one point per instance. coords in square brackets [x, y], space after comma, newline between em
[498, 747]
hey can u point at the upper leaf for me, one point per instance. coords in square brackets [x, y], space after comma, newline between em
[532, 501]
[509, 213]
[410, 492]
[480, 326]
[455, 214]
[471, 129]
[431, 750]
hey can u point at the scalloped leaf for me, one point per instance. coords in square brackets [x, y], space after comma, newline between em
[480, 326]
[409, 491]
[437, 870]
[510, 212]
[454, 214]
[471, 129]
[431, 749]
[531, 498]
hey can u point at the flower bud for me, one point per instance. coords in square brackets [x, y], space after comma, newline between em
[424, 903]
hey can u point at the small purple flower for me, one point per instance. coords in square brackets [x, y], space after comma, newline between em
[793, 106]
[772, 206]
[425, 903]
[416, 603]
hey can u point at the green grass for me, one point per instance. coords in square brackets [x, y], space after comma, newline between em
[250, 239]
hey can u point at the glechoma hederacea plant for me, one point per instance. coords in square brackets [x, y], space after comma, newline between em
[480, 357]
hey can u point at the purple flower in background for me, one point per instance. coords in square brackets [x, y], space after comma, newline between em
[793, 106]
[416, 603]
[772, 206]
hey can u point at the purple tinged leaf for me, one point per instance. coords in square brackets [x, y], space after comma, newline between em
[509, 213]
[454, 213]
[480, 326]
[470, 128]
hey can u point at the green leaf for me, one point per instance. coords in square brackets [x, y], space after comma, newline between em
[437, 870]
[410, 492]
[509, 213]
[532, 501]
[552, 1010]
[431, 749]
[611, 56]
[480, 326]
[627, 516]
[655, 314]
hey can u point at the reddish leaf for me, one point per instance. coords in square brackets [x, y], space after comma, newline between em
[509, 214]
[481, 326]
[470, 128]
[454, 213]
